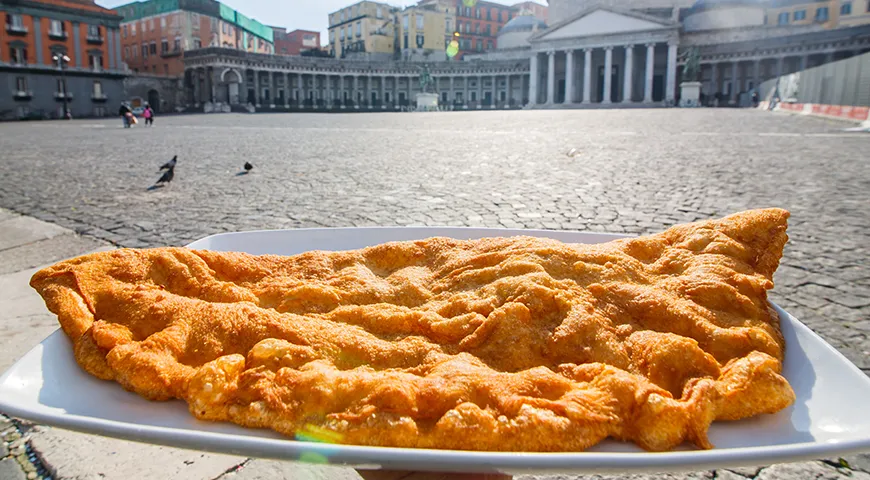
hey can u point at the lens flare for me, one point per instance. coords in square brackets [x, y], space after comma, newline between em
[313, 457]
[313, 433]
[453, 49]
[469, 3]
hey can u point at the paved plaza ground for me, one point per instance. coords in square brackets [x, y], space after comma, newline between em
[636, 171]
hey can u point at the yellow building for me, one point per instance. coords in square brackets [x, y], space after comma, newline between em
[422, 31]
[829, 13]
[363, 29]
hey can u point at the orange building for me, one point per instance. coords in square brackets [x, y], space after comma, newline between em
[155, 33]
[295, 42]
[478, 25]
[38, 31]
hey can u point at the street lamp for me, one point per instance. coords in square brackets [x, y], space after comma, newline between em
[62, 60]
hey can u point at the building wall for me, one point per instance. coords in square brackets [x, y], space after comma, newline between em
[805, 13]
[44, 104]
[372, 29]
[432, 33]
[40, 46]
[295, 42]
[478, 26]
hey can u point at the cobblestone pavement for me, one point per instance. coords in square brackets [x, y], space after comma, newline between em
[636, 171]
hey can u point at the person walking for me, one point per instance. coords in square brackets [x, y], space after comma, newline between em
[126, 114]
[149, 116]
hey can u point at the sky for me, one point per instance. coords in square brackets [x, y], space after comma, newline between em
[293, 14]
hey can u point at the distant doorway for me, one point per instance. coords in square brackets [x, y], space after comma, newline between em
[154, 100]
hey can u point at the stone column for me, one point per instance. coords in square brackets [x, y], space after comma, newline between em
[533, 80]
[650, 66]
[494, 91]
[524, 87]
[452, 96]
[480, 91]
[587, 75]
[508, 91]
[257, 88]
[355, 94]
[805, 60]
[411, 103]
[608, 74]
[467, 91]
[627, 73]
[383, 80]
[671, 79]
[286, 90]
[301, 86]
[734, 82]
[368, 93]
[551, 77]
[569, 77]
[194, 75]
[271, 89]
[396, 90]
[714, 75]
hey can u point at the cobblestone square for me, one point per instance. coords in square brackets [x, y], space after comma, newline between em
[636, 171]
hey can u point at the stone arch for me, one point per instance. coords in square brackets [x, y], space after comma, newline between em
[231, 81]
[225, 79]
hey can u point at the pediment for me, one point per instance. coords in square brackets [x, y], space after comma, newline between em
[602, 21]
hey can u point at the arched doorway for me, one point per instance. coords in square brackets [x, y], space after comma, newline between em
[154, 100]
[232, 80]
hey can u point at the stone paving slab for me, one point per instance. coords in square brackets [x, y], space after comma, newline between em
[637, 172]
[21, 230]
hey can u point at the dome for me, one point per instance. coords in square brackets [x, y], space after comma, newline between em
[724, 14]
[523, 23]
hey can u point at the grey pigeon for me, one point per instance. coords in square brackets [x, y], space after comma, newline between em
[170, 164]
[167, 176]
[248, 167]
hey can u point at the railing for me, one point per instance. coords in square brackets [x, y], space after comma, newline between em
[99, 97]
[95, 39]
[57, 35]
[62, 95]
[23, 95]
[16, 29]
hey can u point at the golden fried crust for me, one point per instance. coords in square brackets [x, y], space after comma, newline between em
[514, 344]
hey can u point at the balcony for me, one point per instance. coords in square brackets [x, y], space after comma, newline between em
[99, 98]
[171, 53]
[57, 35]
[95, 39]
[23, 95]
[60, 96]
[16, 30]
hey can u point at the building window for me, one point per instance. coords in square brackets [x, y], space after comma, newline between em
[95, 61]
[124, 31]
[380, 13]
[166, 69]
[162, 22]
[164, 46]
[489, 14]
[126, 52]
[341, 16]
[358, 29]
[197, 43]
[800, 15]
[489, 44]
[477, 13]
[405, 22]
[18, 55]
[487, 30]
[822, 14]
[477, 29]
[479, 45]
[420, 40]
[56, 29]
[153, 48]
[151, 24]
[15, 23]
[194, 18]
[144, 50]
[846, 9]
[21, 84]
[177, 45]
[98, 89]
[783, 19]
[133, 29]
[332, 36]
[420, 19]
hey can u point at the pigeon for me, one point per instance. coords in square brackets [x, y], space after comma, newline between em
[170, 164]
[248, 167]
[167, 176]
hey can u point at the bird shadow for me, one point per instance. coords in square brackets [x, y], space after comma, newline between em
[155, 187]
[241, 174]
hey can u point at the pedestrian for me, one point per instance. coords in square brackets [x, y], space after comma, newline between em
[149, 115]
[126, 114]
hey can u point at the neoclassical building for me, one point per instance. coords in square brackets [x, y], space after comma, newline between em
[601, 53]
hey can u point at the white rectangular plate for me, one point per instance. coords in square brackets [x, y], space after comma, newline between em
[828, 419]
